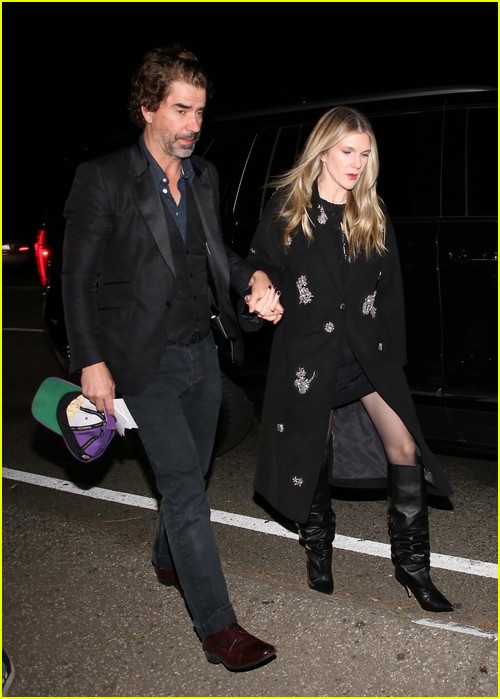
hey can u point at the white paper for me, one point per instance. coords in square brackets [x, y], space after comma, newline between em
[124, 420]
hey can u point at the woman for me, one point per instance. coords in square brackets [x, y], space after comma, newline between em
[337, 407]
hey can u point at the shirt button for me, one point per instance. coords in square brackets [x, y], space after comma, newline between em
[342, 306]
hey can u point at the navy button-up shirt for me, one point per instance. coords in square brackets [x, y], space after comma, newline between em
[178, 212]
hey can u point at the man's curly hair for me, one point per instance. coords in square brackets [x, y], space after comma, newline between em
[152, 81]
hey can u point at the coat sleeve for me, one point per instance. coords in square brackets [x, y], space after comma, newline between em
[266, 249]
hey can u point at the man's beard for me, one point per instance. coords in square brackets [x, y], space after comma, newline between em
[184, 151]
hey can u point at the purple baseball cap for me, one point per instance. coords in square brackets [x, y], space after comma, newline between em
[60, 406]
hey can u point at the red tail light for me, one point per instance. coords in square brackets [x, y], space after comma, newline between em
[42, 256]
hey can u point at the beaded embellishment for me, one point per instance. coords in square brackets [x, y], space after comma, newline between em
[368, 307]
[322, 217]
[305, 296]
[301, 383]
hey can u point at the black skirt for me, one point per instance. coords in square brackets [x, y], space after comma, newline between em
[352, 382]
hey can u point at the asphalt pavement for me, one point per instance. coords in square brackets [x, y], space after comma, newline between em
[86, 617]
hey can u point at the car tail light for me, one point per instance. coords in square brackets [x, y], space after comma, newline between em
[42, 256]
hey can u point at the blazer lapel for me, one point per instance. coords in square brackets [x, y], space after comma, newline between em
[149, 202]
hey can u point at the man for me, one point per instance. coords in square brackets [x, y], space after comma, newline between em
[143, 263]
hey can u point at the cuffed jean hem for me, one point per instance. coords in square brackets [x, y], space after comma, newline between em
[217, 622]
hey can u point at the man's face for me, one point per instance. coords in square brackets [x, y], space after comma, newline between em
[175, 127]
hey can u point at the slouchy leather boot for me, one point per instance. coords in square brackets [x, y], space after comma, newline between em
[317, 535]
[409, 534]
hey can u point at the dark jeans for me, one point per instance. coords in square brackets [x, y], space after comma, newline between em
[177, 418]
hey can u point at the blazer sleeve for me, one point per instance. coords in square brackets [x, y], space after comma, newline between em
[266, 253]
[88, 228]
[240, 270]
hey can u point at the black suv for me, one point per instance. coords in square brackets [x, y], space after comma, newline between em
[438, 178]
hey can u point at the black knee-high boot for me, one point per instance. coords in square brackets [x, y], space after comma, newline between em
[317, 535]
[409, 533]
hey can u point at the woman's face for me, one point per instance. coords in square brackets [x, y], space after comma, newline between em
[345, 161]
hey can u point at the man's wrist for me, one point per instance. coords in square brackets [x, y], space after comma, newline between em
[255, 277]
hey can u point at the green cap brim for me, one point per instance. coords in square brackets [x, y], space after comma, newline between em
[46, 400]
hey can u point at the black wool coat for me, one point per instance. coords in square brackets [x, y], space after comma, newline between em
[323, 311]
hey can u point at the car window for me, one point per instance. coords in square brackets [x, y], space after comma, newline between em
[288, 144]
[410, 162]
[482, 191]
[250, 197]
[467, 192]
[229, 154]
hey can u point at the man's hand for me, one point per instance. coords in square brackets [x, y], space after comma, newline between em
[98, 386]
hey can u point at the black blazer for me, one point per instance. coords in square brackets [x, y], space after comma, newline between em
[118, 276]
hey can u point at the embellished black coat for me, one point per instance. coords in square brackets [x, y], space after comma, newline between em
[324, 309]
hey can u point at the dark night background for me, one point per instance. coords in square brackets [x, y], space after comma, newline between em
[66, 66]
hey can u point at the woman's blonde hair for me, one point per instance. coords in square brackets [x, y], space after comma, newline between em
[364, 221]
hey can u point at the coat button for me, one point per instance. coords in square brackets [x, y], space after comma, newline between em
[342, 306]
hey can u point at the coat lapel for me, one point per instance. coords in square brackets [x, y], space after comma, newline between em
[329, 256]
[355, 272]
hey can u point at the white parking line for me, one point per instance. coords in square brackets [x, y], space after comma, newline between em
[459, 628]
[24, 330]
[265, 526]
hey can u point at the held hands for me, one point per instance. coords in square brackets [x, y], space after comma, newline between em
[264, 300]
[98, 386]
